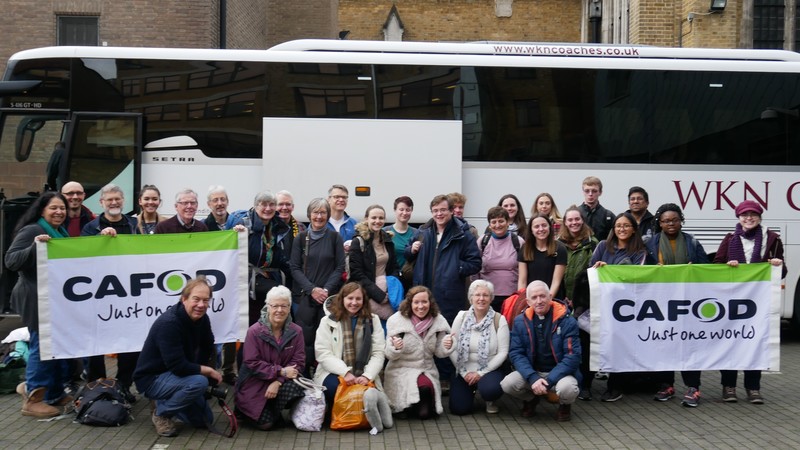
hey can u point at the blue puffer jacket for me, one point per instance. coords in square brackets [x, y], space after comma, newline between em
[562, 339]
[444, 268]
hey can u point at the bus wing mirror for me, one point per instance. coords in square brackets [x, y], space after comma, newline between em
[26, 131]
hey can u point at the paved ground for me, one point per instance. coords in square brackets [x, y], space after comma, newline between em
[636, 421]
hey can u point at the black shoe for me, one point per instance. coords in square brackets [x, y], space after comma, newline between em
[126, 392]
[230, 379]
[585, 395]
[611, 395]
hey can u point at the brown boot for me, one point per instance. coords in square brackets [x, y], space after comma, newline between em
[36, 407]
[563, 414]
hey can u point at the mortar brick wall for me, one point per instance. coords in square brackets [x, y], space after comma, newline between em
[465, 20]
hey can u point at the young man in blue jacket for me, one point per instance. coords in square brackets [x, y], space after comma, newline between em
[546, 353]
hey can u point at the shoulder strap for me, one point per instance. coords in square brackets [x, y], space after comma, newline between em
[496, 321]
[485, 240]
[515, 240]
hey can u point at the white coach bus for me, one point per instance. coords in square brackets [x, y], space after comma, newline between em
[703, 128]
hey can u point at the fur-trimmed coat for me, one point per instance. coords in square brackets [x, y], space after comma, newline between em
[363, 260]
[415, 358]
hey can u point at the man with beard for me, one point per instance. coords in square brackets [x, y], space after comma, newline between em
[111, 223]
[218, 205]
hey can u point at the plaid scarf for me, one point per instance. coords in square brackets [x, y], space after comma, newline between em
[357, 344]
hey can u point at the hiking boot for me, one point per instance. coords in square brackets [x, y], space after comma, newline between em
[164, 426]
[611, 395]
[729, 394]
[585, 395]
[665, 393]
[529, 407]
[691, 398]
[754, 397]
[35, 406]
[563, 413]
[491, 408]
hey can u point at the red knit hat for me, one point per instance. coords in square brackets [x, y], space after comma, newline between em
[749, 206]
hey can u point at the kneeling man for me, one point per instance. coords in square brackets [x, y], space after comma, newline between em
[546, 353]
[172, 368]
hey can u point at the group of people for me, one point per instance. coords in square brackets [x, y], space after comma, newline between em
[326, 301]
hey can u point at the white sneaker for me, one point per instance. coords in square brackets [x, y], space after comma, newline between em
[491, 408]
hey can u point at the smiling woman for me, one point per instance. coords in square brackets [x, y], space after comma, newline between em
[44, 389]
[372, 259]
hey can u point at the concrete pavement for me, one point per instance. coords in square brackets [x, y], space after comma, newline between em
[636, 421]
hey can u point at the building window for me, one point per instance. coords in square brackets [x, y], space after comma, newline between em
[768, 23]
[78, 30]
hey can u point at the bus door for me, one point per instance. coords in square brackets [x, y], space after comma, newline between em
[103, 148]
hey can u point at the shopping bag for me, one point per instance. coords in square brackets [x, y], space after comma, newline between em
[348, 407]
[309, 411]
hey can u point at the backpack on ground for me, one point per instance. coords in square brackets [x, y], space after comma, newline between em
[102, 403]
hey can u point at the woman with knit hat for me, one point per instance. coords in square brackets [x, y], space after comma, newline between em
[750, 243]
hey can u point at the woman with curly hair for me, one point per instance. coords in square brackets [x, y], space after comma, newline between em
[416, 333]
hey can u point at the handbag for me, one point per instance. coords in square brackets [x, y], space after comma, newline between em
[348, 407]
[308, 412]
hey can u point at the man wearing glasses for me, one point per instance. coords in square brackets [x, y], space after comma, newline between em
[339, 221]
[77, 214]
[599, 219]
[183, 221]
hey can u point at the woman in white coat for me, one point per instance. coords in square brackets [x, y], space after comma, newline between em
[416, 333]
[349, 342]
[481, 346]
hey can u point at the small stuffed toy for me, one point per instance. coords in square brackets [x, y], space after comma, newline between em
[377, 410]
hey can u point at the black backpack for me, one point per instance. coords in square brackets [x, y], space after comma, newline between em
[514, 240]
[102, 403]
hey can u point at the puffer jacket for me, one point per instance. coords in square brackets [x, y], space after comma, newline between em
[363, 260]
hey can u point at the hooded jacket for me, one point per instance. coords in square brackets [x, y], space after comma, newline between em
[561, 335]
[443, 268]
[363, 260]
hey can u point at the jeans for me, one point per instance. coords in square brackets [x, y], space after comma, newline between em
[52, 375]
[462, 394]
[181, 397]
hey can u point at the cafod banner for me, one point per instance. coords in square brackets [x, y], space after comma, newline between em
[100, 294]
[685, 317]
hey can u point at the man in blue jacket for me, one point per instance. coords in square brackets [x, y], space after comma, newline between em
[546, 353]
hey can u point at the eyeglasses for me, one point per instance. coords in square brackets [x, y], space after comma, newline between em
[339, 197]
[670, 221]
[185, 204]
[74, 194]
[265, 205]
[278, 306]
[623, 226]
[319, 213]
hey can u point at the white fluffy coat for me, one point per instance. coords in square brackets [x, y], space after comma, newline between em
[415, 358]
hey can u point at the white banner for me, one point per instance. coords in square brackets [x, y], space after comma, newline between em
[685, 317]
[100, 295]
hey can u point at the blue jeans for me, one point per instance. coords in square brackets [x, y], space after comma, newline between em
[181, 397]
[462, 394]
[52, 375]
